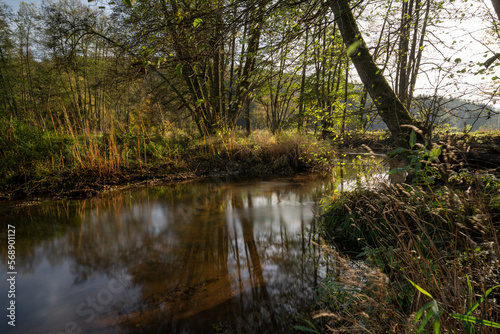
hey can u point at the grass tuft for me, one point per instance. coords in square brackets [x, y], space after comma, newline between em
[35, 161]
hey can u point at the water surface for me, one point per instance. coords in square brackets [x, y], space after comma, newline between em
[216, 256]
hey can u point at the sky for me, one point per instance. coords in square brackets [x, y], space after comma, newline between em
[14, 4]
[466, 42]
[466, 38]
[473, 44]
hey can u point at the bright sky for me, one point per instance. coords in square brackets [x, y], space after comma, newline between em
[464, 40]
[14, 4]
[469, 44]
[465, 37]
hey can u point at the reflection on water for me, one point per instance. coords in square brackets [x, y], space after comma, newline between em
[205, 257]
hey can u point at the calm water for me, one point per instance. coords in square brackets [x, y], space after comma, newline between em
[197, 257]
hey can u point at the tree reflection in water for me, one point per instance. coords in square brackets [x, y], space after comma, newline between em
[194, 257]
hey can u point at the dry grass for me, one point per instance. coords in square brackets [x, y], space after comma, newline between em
[356, 298]
[35, 161]
[279, 153]
[434, 235]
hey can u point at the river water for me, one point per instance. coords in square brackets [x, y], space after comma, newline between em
[216, 256]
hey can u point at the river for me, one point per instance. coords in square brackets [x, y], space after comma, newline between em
[212, 256]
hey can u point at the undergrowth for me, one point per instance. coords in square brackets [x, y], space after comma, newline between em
[47, 161]
[430, 246]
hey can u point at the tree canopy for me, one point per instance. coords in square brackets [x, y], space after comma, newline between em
[330, 67]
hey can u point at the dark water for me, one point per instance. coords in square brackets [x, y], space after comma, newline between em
[198, 257]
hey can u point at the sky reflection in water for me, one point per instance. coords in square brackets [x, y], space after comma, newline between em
[198, 257]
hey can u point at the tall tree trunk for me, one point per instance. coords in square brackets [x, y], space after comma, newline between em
[346, 91]
[391, 110]
[9, 93]
[416, 63]
[255, 29]
[303, 85]
[496, 5]
[404, 40]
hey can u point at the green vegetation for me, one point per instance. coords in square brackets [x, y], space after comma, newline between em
[36, 162]
[162, 90]
[436, 237]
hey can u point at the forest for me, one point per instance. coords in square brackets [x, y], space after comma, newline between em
[100, 85]
[101, 95]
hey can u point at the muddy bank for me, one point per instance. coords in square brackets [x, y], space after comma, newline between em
[87, 183]
[477, 151]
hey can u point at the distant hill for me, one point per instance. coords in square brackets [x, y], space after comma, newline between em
[457, 113]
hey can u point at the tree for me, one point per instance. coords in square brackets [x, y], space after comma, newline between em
[66, 22]
[7, 96]
[413, 25]
[26, 21]
[496, 6]
[212, 46]
[390, 108]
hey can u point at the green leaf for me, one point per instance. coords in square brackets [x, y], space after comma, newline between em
[413, 138]
[434, 153]
[417, 168]
[421, 311]
[420, 289]
[471, 319]
[429, 179]
[469, 286]
[437, 325]
[399, 170]
[352, 48]
[425, 320]
[178, 69]
[199, 102]
[432, 312]
[481, 300]
[397, 151]
[129, 2]
[197, 22]
[434, 307]
[305, 329]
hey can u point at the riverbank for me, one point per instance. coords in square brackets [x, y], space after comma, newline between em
[429, 249]
[38, 165]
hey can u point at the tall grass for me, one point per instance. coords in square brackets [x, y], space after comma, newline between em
[443, 236]
[32, 158]
[28, 153]
[63, 157]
